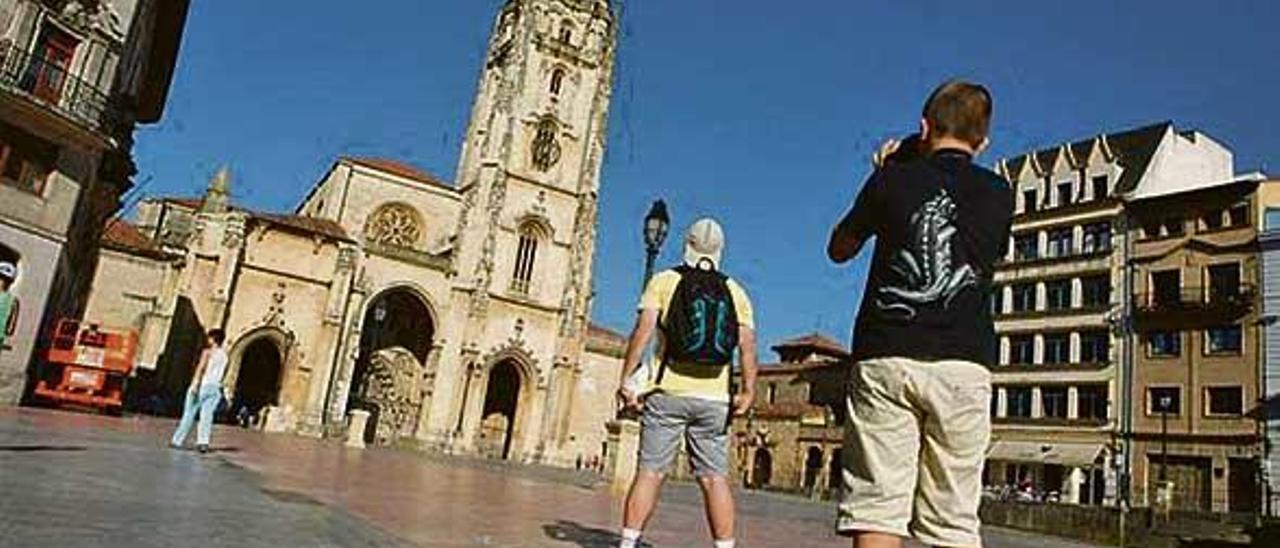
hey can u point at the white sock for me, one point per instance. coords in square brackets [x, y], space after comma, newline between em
[724, 543]
[630, 538]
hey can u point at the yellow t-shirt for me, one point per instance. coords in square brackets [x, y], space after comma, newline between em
[697, 381]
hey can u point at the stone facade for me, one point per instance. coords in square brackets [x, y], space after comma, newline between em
[482, 287]
[75, 77]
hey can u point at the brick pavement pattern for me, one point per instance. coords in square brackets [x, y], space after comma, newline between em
[80, 480]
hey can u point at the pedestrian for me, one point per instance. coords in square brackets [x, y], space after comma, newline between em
[702, 316]
[204, 394]
[919, 390]
[9, 306]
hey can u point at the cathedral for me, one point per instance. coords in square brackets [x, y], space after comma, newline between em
[456, 314]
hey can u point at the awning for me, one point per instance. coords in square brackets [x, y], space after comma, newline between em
[1067, 454]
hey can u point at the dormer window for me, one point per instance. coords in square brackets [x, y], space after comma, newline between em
[1100, 187]
[1029, 204]
[1065, 194]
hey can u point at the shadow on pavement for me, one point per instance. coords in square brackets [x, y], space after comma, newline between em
[585, 537]
[40, 448]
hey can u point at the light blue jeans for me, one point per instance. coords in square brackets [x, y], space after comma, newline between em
[204, 402]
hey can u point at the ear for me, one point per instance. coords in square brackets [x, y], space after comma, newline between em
[986, 142]
[924, 130]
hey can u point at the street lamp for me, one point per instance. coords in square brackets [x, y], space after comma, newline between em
[656, 225]
[1165, 402]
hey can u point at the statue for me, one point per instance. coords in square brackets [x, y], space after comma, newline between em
[392, 388]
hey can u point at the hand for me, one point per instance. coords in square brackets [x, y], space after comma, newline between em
[629, 399]
[884, 152]
[742, 403]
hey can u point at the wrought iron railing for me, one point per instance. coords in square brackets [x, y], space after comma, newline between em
[1196, 298]
[52, 85]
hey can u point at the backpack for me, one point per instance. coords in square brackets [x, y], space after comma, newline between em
[701, 325]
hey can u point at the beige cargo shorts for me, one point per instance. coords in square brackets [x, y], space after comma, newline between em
[914, 447]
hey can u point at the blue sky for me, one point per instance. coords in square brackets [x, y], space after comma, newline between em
[757, 112]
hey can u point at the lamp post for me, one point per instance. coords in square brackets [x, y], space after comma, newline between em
[1165, 402]
[656, 225]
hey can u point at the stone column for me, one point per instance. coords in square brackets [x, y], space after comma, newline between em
[329, 359]
[1073, 403]
[340, 380]
[430, 372]
[1036, 408]
[473, 405]
[624, 446]
[1071, 486]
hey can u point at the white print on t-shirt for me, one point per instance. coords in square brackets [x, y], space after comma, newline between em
[925, 263]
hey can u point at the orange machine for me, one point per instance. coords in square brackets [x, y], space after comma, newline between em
[90, 365]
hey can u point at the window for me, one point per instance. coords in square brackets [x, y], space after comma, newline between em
[557, 81]
[1026, 247]
[1058, 293]
[1024, 297]
[1224, 400]
[773, 393]
[545, 151]
[997, 301]
[1060, 243]
[1095, 291]
[1057, 348]
[1272, 220]
[1029, 202]
[47, 75]
[1091, 402]
[1164, 399]
[1224, 282]
[526, 256]
[1212, 220]
[1150, 230]
[1164, 344]
[24, 159]
[1065, 197]
[1053, 402]
[1099, 184]
[1223, 340]
[1095, 347]
[1018, 402]
[1238, 215]
[1097, 238]
[1166, 288]
[1022, 350]
[566, 32]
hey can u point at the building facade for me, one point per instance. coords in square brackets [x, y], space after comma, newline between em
[1269, 368]
[456, 314]
[75, 78]
[1058, 403]
[791, 439]
[1197, 307]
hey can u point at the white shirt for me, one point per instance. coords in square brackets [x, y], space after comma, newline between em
[216, 368]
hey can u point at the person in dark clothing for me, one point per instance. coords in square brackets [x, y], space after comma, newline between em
[919, 388]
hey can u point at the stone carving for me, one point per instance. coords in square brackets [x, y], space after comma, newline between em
[395, 225]
[392, 388]
[275, 311]
[97, 15]
[546, 149]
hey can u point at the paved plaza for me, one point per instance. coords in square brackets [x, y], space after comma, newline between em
[81, 480]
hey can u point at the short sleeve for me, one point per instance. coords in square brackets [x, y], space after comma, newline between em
[658, 292]
[742, 306]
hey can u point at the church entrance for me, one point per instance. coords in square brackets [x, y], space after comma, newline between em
[395, 343]
[258, 382]
[501, 400]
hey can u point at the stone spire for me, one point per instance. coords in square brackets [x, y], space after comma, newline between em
[216, 197]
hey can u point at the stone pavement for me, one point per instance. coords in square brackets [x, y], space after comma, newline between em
[80, 480]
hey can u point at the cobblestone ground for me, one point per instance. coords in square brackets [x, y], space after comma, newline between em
[79, 480]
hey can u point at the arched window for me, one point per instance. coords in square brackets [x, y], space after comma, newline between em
[526, 257]
[546, 150]
[557, 81]
[566, 32]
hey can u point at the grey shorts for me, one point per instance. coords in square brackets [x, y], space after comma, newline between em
[702, 424]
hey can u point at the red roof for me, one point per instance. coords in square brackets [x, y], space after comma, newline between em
[597, 330]
[787, 368]
[120, 235]
[815, 340]
[190, 203]
[399, 169]
[313, 225]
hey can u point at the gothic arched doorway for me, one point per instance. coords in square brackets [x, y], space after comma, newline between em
[501, 400]
[397, 320]
[762, 468]
[257, 381]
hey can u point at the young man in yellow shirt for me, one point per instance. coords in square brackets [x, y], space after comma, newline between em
[702, 317]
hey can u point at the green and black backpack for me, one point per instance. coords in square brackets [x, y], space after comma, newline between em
[701, 325]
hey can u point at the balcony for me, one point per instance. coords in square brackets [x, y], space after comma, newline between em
[50, 85]
[1204, 304]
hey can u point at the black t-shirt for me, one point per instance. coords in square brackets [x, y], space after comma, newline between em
[940, 224]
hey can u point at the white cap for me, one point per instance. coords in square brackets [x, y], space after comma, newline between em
[704, 241]
[8, 271]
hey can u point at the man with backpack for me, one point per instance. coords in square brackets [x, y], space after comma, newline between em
[702, 316]
[919, 389]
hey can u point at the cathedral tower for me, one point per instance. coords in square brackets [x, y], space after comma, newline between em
[529, 175]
